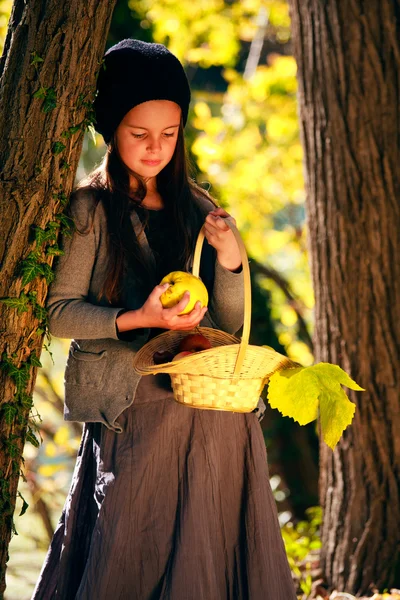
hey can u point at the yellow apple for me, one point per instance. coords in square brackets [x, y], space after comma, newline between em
[180, 282]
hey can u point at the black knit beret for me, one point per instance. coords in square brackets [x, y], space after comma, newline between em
[134, 72]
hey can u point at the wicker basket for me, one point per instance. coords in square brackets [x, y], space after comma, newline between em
[229, 376]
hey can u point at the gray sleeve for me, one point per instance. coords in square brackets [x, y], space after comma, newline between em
[69, 312]
[226, 305]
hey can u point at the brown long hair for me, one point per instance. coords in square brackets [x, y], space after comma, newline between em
[180, 193]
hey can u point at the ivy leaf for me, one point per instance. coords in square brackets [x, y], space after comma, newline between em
[64, 165]
[36, 58]
[13, 528]
[21, 303]
[71, 131]
[30, 269]
[34, 361]
[47, 272]
[54, 251]
[40, 93]
[67, 224]
[31, 437]
[25, 505]
[62, 197]
[40, 313]
[40, 235]
[10, 410]
[24, 399]
[299, 393]
[50, 101]
[20, 376]
[43, 235]
[58, 147]
[50, 353]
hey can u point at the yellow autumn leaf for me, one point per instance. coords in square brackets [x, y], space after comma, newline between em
[50, 449]
[49, 470]
[288, 316]
[202, 110]
[293, 397]
[299, 393]
[61, 436]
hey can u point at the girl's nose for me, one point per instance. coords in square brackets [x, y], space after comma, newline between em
[154, 145]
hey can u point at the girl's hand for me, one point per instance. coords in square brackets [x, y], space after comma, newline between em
[221, 237]
[153, 314]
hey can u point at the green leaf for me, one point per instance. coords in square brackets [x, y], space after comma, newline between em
[71, 131]
[20, 376]
[62, 197]
[10, 410]
[24, 399]
[299, 393]
[50, 353]
[50, 101]
[34, 361]
[36, 58]
[21, 303]
[40, 235]
[40, 93]
[64, 165]
[54, 251]
[47, 272]
[30, 269]
[12, 448]
[25, 505]
[58, 147]
[40, 313]
[67, 224]
[31, 437]
[13, 528]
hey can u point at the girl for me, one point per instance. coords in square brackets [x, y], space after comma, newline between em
[166, 502]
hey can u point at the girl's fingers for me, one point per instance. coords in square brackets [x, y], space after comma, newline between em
[182, 303]
[218, 223]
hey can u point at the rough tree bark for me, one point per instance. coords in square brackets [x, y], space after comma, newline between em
[348, 57]
[47, 76]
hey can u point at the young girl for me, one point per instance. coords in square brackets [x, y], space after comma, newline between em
[167, 501]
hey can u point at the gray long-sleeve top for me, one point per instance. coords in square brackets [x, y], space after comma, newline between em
[99, 379]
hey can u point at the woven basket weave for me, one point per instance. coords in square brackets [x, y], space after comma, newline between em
[231, 374]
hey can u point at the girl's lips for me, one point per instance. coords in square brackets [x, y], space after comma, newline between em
[151, 162]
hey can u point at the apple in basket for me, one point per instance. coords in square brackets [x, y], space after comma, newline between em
[179, 283]
[162, 356]
[195, 342]
[182, 354]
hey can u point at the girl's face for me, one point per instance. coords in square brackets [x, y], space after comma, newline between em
[147, 136]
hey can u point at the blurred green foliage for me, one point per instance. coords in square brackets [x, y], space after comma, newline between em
[302, 542]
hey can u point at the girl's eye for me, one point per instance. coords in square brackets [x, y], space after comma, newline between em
[139, 136]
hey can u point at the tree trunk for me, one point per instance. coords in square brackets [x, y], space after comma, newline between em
[47, 76]
[348, 58]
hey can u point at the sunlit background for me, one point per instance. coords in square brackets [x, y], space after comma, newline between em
[243, 137]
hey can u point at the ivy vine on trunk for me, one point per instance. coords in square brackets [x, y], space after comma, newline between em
[51, 57]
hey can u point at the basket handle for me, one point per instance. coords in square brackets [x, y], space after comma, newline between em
[244, 342]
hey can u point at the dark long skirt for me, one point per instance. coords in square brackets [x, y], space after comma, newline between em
[178, 507]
